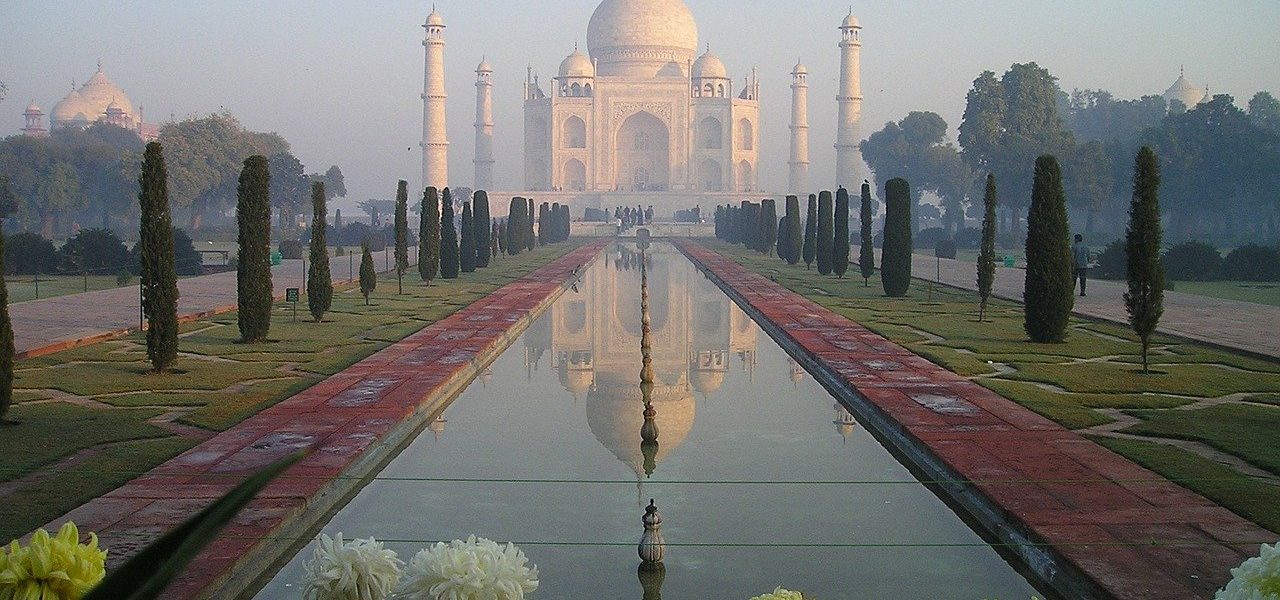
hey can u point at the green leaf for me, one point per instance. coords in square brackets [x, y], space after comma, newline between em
[149, 572]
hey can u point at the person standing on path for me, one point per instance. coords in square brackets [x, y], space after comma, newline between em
[1080, 258]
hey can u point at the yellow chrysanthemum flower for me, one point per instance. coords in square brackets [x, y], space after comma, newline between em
[781, 594]
[51, 568]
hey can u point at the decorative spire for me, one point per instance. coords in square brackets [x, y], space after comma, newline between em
[652, 546]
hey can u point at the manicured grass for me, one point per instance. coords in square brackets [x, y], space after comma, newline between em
[54, 430]
[1061, 408]
[1204, 380]
[1247, 431]
[91, 378]
[1244, 291]
[24, 287]
[222, 414]
[1248, 497]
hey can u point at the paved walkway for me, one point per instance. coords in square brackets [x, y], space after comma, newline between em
[1241, 325]
[53, 324]
[352, 422]
[1114, 528]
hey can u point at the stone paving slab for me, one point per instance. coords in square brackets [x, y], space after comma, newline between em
[1127, 531]
[352, 421]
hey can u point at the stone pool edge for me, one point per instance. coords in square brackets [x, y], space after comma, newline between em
[1083, 571]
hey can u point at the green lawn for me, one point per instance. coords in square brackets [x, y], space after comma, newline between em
[25, 287]
[1244, 291]
[219, 383]
[1072, 382]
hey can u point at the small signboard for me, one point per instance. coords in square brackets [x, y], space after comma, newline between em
[291, 295]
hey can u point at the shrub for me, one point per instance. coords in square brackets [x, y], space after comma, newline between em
[840, 234]
[292, 249]
[429, 236]
[1252, 263]
[1192, 261]
[945, 249]
[99, 251]
[969, 238]
[826, 232]
[928, 238]
[895, 258]
[449, 265]
[810, 247]
[123, 277]
[1111, 263]
[866, 255]
[27, 253]
[186, 260]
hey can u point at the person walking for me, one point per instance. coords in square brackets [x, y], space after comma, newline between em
[1080, 258]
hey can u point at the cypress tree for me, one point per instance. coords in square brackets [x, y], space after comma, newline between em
[402, 233]
[448, 239]
[495, 240]
[515, 226]
[253, 262]
[530, 242]
[319, 282]
[6, 341]
[544, 227]
[795, 237]
[768, 226]
[987, 254]
[159, 278]
[811, 232]
[467, 246]
[480, 216]
[1047, 299]
[866, 248]
[840, 251]
[368, 274]
[502, 237]
[895, 256]
[337, 228]
[1145, 298]
[826, 233]
[429, 236]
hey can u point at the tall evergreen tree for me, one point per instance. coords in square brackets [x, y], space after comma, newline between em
[895, 255]
[515, 226]
[795, 235]
[1145, 298]
[768, 226]
[368, 274]
[495, 240]
[254, 294]
[402, 233]
[6, 342]
[467, 246]
[987, 255]
[530, 242]
[866, 246]
[544, 224]
[1046, 297]
[319, 281]
[449, 264]
[826, 233]
[159, 277]
[781, 228]
[429, 236]
[811, 232]
[840, 249]
[337, 228]
[502, 237]
[480, 217]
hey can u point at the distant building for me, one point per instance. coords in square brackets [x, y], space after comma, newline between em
[1185, 92]
[98, 100]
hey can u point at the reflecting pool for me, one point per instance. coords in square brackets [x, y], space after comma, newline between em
[762, 478]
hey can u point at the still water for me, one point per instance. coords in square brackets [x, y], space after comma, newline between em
[736, 416]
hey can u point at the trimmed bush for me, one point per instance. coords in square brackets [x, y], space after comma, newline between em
[1252, 263]
[1111, 263]
[895, 258]
[767, 233]
[826, 233]
[1047, 292]
[368, 274]
[945, 249]
[187, 261]
[1192, 261]
[929, 237]
[969, 238]
[840, 233]
[467, 246]
[291, 249]
[98, 251]
[795, 232]
[449, 264]
[429, 236]
[866, 243]
[28, 253]
[483, 234]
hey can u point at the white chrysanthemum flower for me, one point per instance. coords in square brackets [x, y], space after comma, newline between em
[1256, 579]
[477, 569]
[781, 594]
[355, 570]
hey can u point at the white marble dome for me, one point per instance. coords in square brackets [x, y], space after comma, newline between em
[577, 65]
[709, 66]
[72, 109]
[642, 37]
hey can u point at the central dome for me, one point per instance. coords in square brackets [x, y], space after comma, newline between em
[642, 38]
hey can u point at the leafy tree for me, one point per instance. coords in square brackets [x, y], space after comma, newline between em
[6, 344]
[1264, 110]
[8, 202]
[254, 294]
[319, 280]
[449, 264]
[376, 209]
[811, 232]
[96, 251]
[1252, 262]
[795, 231]
[1145, 299]
[159, 281]
[467, 246]
[30, 254]
[840, 250]
[335, 185]
[1089, 181]
[289, 186]
[1097, 115]
[484, 238]
[1192, 261]
[915, 148]
[402, 233]
[429, 236]
[866, 246]
[1047, 299]
[368, 274]
[207, 154]
[895, 254]
[987, 253]
[826, 233]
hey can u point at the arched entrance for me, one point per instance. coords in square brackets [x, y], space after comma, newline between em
[643, 153]
[710, 175]
[575, 175]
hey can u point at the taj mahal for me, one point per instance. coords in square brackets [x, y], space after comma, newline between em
[646, 116]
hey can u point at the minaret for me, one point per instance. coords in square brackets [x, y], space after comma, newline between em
[435, 139]
[850, 99]
[484, 126]
[35, 122]
[799, 182]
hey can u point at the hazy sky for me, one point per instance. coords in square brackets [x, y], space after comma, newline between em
[341, 80]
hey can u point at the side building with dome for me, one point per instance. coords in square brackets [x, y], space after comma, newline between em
[99, 100]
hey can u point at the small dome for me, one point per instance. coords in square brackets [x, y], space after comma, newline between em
[576, 380]
[709, 66]
[1185, 92]
[800, 69]
[114, 108]
[850, 22]
[577, 65]
[434, 19]
[707, 382]
[33, 108]
[484, 66]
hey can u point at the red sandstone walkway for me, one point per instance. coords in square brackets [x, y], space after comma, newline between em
[352, 420]
[1100, 511]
